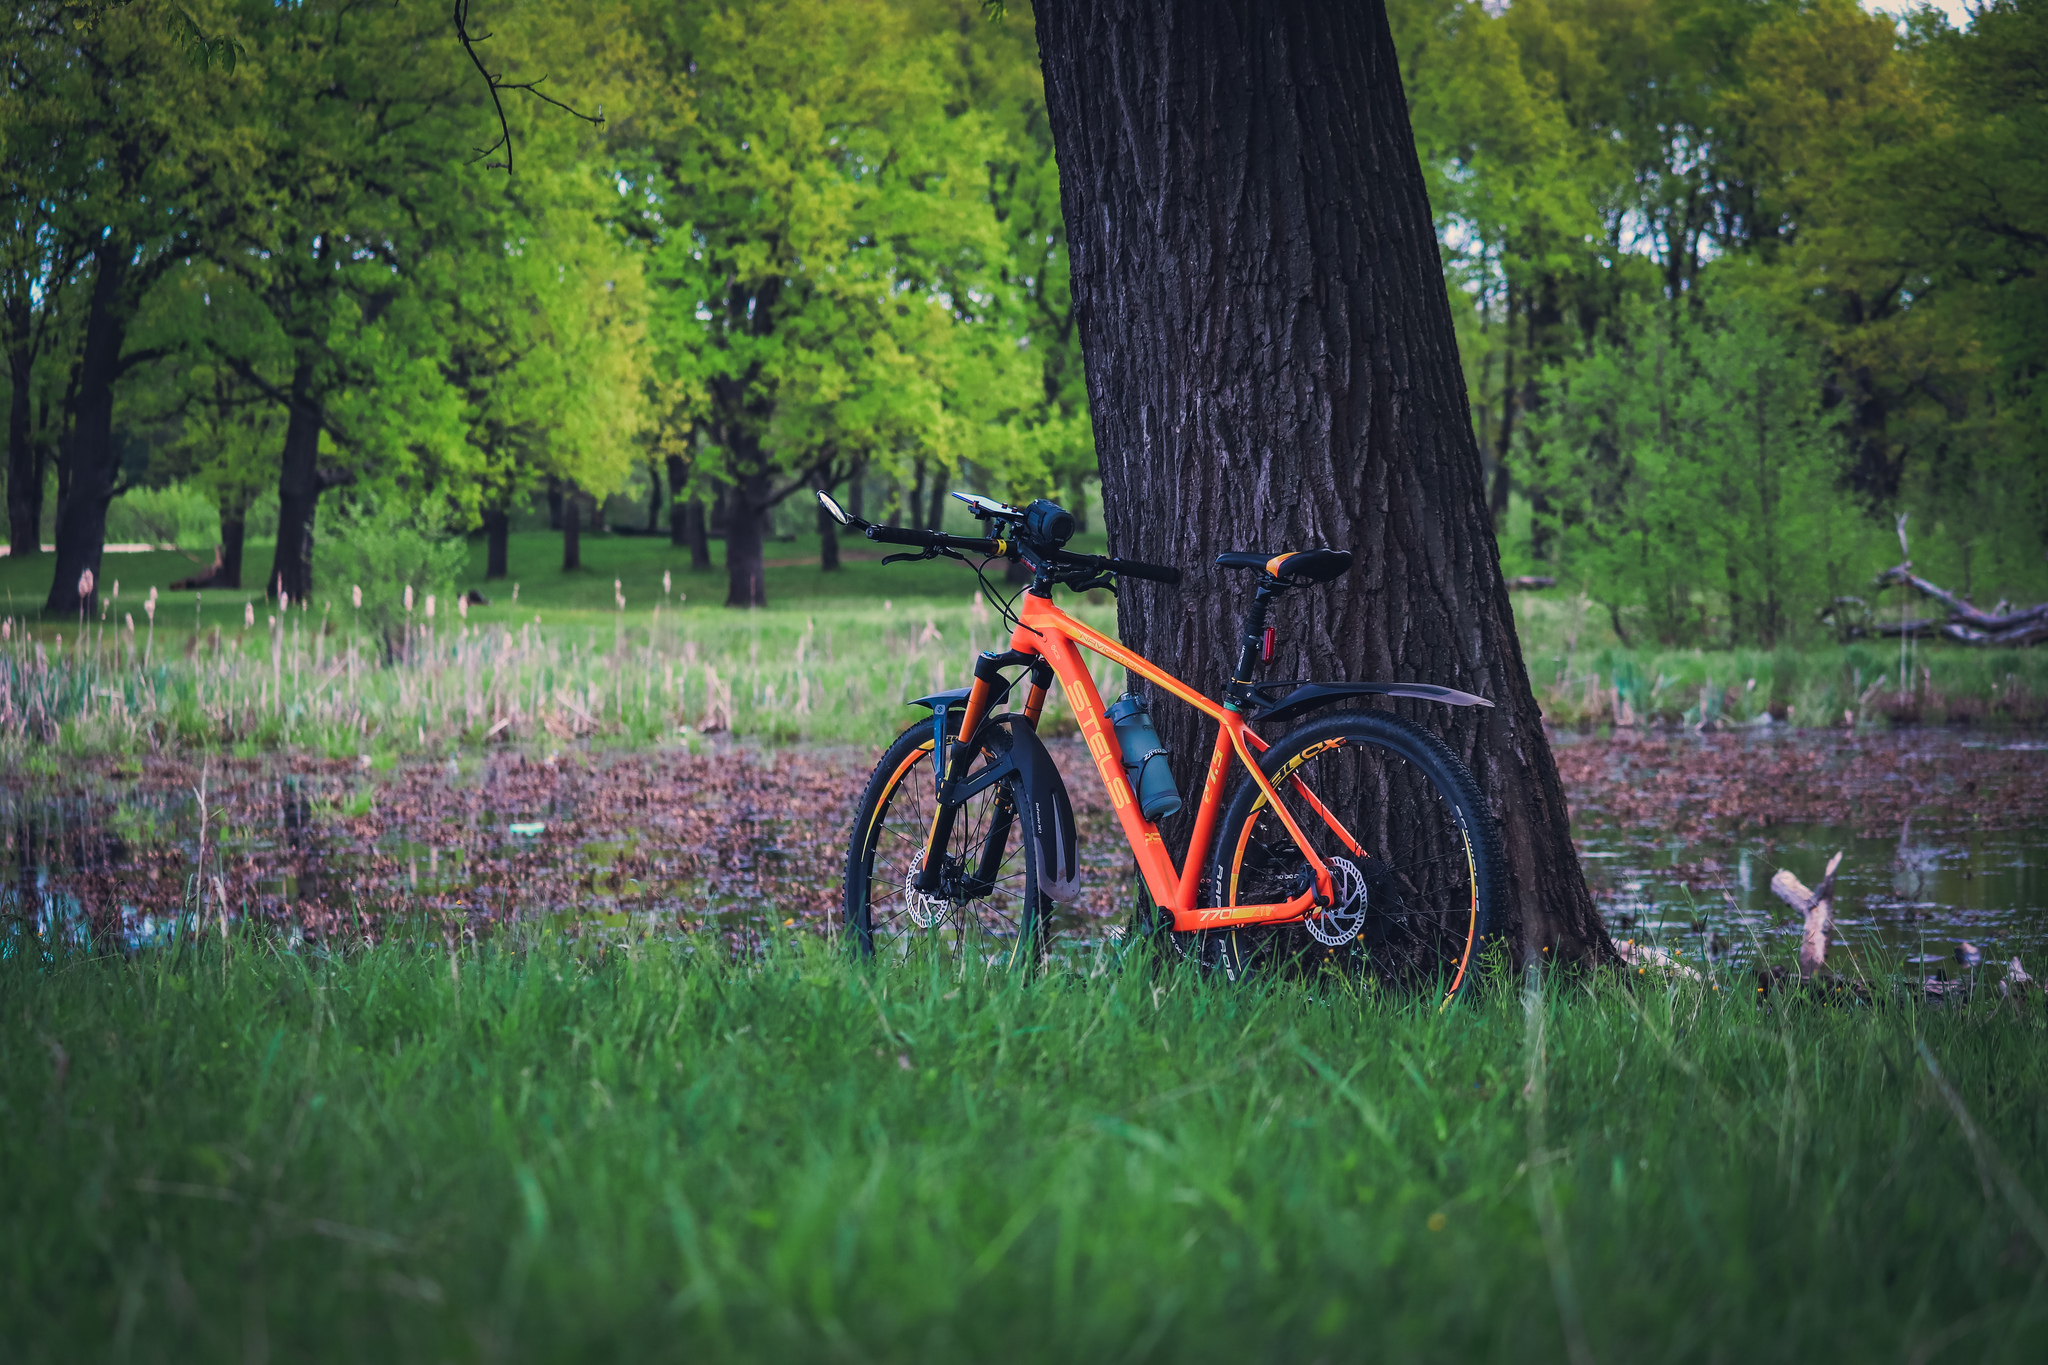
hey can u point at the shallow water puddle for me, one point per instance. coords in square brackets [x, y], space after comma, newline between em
[1680, 836]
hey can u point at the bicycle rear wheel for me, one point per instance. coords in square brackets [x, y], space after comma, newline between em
[987, 907]
[1399, 821]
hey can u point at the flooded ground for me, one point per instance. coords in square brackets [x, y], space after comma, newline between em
[1944, 837]
[1945, 834]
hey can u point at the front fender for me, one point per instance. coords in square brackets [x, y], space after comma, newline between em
[1313, 696]
[1050, 839]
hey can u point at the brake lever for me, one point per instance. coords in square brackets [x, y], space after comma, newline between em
[929, 552]
[1101, 580]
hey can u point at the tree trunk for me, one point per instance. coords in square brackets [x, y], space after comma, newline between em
[298, 491]
[233, 530]
[1271, 365]
[654, 499]
[24, 465]
[937, 518]
[678, 525]
[828, 538]
[746, 508]
[497, 542]
[694, 532]
[554, 503]
[88, 460]
[572, 527]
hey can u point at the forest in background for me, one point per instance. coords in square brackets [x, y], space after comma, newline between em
[1736, 282]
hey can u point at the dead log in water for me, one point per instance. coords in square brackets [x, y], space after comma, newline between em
[1817, 906]
[1966, 623]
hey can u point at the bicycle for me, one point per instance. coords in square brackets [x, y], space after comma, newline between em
[1358, 836]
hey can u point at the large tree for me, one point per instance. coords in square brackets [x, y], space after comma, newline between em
[1271, 364]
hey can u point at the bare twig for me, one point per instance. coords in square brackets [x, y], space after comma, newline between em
[496, 83]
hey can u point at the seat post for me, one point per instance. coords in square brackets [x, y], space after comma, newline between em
[1253, 646]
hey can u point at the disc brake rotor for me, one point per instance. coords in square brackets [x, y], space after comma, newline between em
[927, 911]
[1341, 922]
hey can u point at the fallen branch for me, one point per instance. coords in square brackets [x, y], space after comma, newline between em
[1817, 905]
[1968, 624]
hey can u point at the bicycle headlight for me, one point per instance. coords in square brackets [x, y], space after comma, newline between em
[1048, 524]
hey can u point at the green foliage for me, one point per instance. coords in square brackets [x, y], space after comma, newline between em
[1871, 179]
[399, 555]
[612, 1148]
[1693, 471]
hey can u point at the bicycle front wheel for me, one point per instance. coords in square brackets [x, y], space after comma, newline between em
[1414, 856]
[987, 907]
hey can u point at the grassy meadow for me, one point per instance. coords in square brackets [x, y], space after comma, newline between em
[543, 1152]
[554, 659]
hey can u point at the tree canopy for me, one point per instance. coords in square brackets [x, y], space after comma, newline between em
[278, 252]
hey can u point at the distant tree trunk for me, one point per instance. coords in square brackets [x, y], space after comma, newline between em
[937, 517]
[1271, 364]
[654, 498]
[694, 532]
[572, 527]
[914, 505]
[234, 527]
[678, 528]
[746, 509]
[720, 496]
[554, 503]
[828, 537]
[298, 491]
[88, 461]
[856, 491]
[497, 542]
[24, 459]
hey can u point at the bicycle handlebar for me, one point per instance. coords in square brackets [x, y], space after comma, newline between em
[938, 540]
[1132, 568]
[929, 540]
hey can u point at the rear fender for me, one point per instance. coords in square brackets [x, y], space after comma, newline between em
[1313, 696]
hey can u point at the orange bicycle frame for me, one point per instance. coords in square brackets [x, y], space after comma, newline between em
[1046, 632]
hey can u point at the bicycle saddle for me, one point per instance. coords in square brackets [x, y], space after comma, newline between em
[1292, 567]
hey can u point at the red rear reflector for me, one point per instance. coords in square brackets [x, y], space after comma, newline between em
[1266, 648]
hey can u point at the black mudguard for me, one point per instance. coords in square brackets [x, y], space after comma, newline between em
[1313, 696]
[1049, 834]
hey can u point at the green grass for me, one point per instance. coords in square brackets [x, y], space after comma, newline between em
[645, 1151]
[832, 660]
[1580, 670]
[534, 563]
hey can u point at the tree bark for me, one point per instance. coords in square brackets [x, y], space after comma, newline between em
[234, 527]
[678, 525]
[828, 538]
[497, 542]
[24, 460]
[1271, 365]
[298, 491]
[88, 461]
[554, 503]
[746, 508]
[936, 519]
[654, 499]
[572, 527]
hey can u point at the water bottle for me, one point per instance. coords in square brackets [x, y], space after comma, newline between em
[1144, 756]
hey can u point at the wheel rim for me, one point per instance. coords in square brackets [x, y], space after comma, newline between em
[1378, 809]
[975, 917]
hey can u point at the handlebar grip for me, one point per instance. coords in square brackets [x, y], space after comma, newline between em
[1158, 573]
